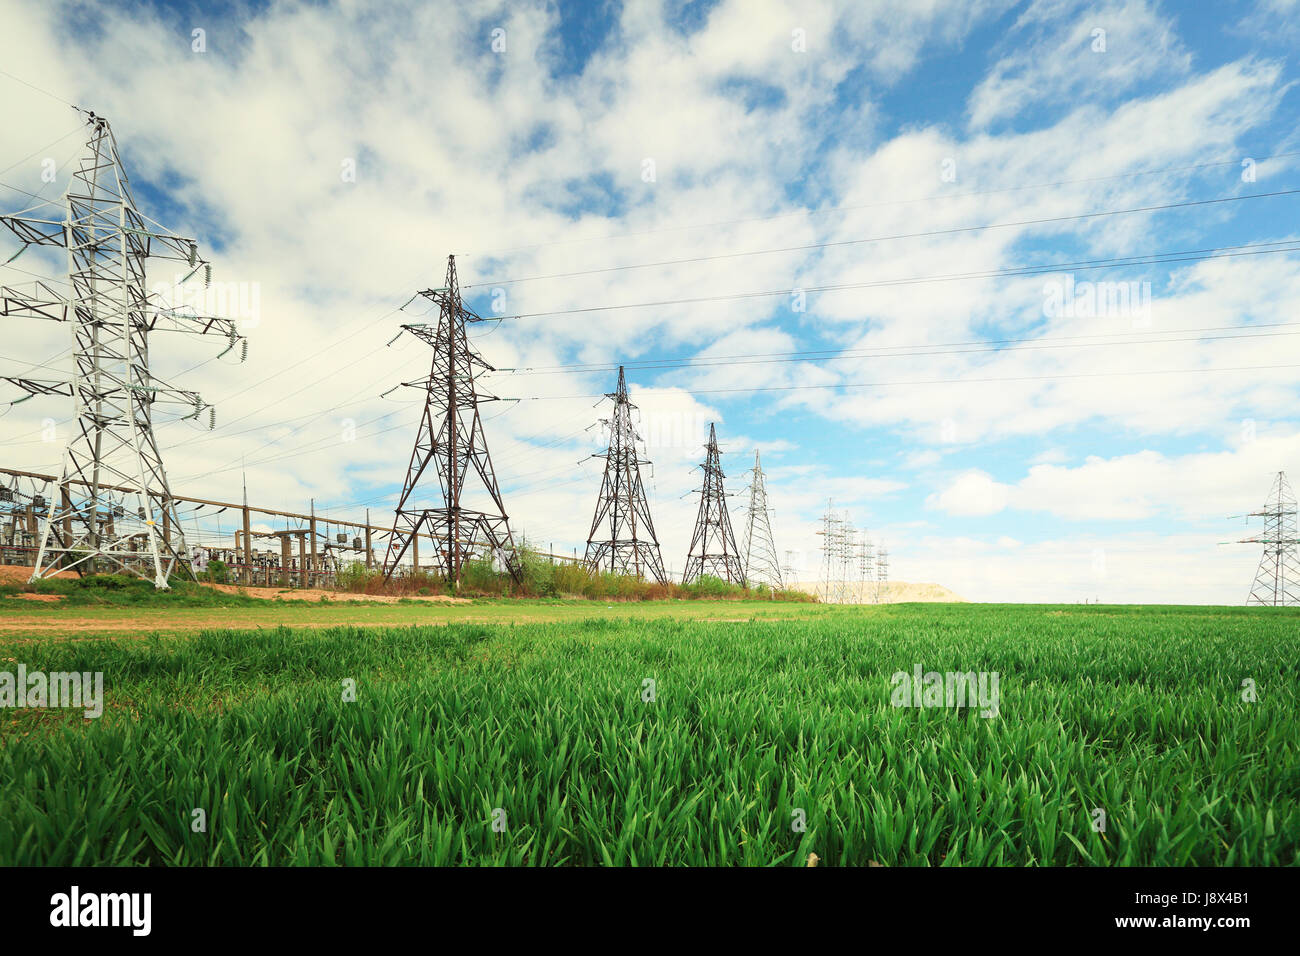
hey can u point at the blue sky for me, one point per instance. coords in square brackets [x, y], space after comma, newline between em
[1031, 457]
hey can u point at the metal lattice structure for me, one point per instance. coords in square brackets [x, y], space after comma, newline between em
[882, 576]
[113, 509]
[790, 569]
[846, 570]
[452, 443]
[827, 590]
[852, 571]
[1277, 582]
[865, 554]
[761, 562]
[628, 544]
[713, 544]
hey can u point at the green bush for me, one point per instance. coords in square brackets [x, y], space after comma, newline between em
[120, 590]
[480, 577]
[543, 577]
[217, 573]
[355, 576]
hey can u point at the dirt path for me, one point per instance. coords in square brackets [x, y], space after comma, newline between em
[135, 624]
[80, 628]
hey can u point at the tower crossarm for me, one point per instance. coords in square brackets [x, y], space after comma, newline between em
[159, 243]
[430, 381]
[182, 319]
[34, 387]
[451, 299]
[34, 300]
[159, 392]
[152, 243]
[41, 300]
[32, 231]
[428, 334]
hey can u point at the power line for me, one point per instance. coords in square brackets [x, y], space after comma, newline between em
[1084, 265]
[941, 381]
[510, 457]
[47, 146]
[39, 89]
[305, 359]
[934, 197]
[847, 354]
[906, 235]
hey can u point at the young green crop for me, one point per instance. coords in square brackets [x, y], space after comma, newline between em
[545, 729]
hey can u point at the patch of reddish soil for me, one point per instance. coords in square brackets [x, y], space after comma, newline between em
[18, 574]
[316, 594]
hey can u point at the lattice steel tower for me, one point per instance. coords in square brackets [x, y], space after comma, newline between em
[882, 576]
[761, 562]
[451, 440]
[829, 590]
[1277, 582]
[113, 508]
[866, 568]
[713, 545]
[629, 546]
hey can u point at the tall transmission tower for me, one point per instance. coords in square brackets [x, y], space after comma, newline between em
[882, 576]
[790, 570]
[629, 546]
[866, 571]
[452, 441]
[113, 508]
[713, 545]
[1277, 582]
[761, 562]
[846, 572]
[828, 588]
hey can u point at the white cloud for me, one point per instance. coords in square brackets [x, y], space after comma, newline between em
[972, 494]
[1201, 487]
[1065, 50]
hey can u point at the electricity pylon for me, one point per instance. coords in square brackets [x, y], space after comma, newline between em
[630, 545]
[882, 576]
[1277, 582]
[713, 545]
[828, 589]
[790, 571]
[113, 507]
[451, 439]
[866, 570]
[761, 562]
[848, 544]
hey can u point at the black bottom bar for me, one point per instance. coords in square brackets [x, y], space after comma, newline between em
[931, 906]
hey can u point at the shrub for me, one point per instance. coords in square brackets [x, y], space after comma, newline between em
[217, 572]
[356, 577]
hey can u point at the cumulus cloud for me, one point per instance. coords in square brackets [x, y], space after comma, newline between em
[974, 493]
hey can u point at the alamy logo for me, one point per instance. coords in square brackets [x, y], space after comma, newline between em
[102, 909]
[1097, 300]
[951, 689]
[56, 689]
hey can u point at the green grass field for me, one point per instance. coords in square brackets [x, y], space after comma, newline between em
[761, 713]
